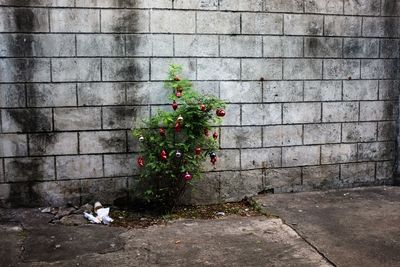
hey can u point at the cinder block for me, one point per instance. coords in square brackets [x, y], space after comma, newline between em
[218, 69]
[124, 3]
[282, 135]
[324, 6]
[390, 7]
[13, 145]
[125, 69]
[206, 190]
[284, 6]
[282, 178]
[108, 190]
[321, 133]
[250, 5]
[38, 3]
[380, 27]
[75, 20]
[227, 160]
[389, 89]
[239, 92]
[160, 66]
[51, 95]
[241, 137]
[120, 165]
[322, 47]
[298, 69]
[261, 114]
[252, 183]
[361, 48]
[223, 22]
[124, 117]
[341, 111]
[121, 20]
[384, 170]
[283, 46]
[377, 110]
[29, 169]
[339, 153]
[53, 144]
[322, 90]
[231, 186]
[255, 69]
[301, 112]
[24, 70]
[196, 45]
[56, 193]
[262, 23]
[72, 119]
[363, 7]
[102, 142]
[26, 120]
[74, 167]
[173, 21]
[359, 132]
[341, 69]
[24, 19]
[100, 45]
[241, 46]
[376, 151]
[321, 177]
[98, 94]
[283, 91]
[358, 172]
[342, 26]
[386, 131]
[389, 48]
[12, 95]
[37, 45]
[360, 90]
[303, 24]
[206, 87]
[379, 69]
[76, 69]
[300, 156]
[141, 93]
[261, 158]
[196, 4]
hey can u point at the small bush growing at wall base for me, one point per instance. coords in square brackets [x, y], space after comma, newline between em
[174, 144]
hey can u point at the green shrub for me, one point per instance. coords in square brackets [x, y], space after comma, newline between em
[174, 144]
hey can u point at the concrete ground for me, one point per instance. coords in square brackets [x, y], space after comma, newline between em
[357, 227]
[354, 227]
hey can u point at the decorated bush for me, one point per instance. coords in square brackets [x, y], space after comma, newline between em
[175, 143]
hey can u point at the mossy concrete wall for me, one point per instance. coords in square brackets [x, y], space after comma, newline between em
[312, 88]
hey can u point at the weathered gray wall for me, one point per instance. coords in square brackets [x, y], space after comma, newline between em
[312, 87]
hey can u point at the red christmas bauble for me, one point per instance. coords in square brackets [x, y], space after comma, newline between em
[220, 112]
[187, 177]
[162, 131]
[203, 107]
[178, 127]
[206, 132]
[178, 94]
[163, 155]
[215, 135]
[174, 105]
[140, 161]
[198, 151]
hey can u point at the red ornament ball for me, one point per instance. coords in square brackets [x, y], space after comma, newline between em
[140, 161]
[162, 131]
[206, 132]
[203, 107]
[178, 127]
[163, 155]
[178, 94]
[174, 105]
[198, 151]
[215, 135]
[220, 112]
[187, 177]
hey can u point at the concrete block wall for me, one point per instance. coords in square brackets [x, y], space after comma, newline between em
[312, 87]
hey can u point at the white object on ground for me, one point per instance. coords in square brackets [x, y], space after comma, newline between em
[91, 218]
[102, 214]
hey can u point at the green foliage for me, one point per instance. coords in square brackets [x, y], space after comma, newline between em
[162, 180]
